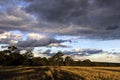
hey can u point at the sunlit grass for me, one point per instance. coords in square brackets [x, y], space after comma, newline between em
[95, 73]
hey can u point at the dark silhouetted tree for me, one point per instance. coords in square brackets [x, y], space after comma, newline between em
[87, 62]
[56, 59]
[68, 61]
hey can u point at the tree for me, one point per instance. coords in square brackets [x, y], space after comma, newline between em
[3, 58]
[12, 48]
[11, 56]
[28, 56]
[45, 61]
[68, 61]
[37, 61]
[56, 59]
[87, 62]
[16, 59]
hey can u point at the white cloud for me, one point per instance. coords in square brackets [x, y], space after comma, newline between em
[28, 39]
[56, 45]
[101, 57]
[41, 55]
[36, 36]
[105, 57]
[9, 38]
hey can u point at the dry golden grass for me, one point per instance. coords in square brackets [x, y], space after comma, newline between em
[95, 73]
[59, 73]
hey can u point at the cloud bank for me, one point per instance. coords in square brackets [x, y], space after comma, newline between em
[91, 19]
[32, 40]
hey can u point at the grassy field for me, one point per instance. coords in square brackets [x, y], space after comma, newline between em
[59, 73]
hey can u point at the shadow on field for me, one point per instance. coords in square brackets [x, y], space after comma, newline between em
[64, 75]
[37, 73]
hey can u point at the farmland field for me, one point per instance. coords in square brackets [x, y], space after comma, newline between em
[59, 73]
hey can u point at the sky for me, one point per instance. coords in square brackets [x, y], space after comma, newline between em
[82, 29]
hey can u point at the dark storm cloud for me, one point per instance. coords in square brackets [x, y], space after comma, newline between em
[92, 51]
[38, 43]
[112, 27]
[75, 11]
[13, 18]
[1, 31]
[2, 2]
[96, 15]
[83, 52]
[94, 19]
[58, 10]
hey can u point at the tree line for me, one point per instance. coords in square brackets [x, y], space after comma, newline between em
[12, 57]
